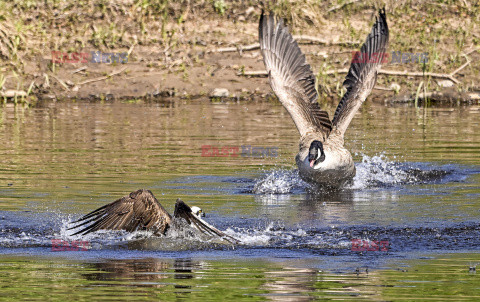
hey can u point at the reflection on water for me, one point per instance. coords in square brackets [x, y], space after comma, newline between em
[417, 186]
[145, 272]
[280, 280]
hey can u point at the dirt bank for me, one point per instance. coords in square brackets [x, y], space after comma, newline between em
[193, 48]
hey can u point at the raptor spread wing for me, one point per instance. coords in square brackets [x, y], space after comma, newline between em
[182, 210]
[139, 210]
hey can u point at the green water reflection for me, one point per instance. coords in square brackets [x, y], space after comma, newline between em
[444, 277]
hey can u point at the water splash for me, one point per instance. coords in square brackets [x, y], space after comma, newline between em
[372, 172]
[180, 236]
[326, 239]
[378, 171]
[270, 235]
[279, 182]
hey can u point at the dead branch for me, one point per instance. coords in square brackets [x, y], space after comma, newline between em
[383, 88]
[79, 69]
[238, 48]
[419, 74]
[310, 39]
[13, 93]
[256, 73]
[302, 39]
[102, 78]
[61, 82]
[263, 73]
[131, 49]
[460, 68]
[471, 50]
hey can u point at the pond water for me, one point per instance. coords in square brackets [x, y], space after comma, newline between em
[416, 194]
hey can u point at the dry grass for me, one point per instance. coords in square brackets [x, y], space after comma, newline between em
[448, 30]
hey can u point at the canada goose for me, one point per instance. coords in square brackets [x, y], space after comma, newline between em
[322, 159]
[140, 210]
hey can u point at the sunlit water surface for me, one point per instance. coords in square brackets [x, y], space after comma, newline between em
[417, 188]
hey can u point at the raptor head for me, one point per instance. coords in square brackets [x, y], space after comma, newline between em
[197, 211]
[315, 153]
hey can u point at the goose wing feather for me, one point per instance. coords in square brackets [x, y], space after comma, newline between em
[362, 74]
[291, 78]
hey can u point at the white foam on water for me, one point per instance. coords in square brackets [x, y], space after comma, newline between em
[179, 236]
[252, 237]
[372, 171]
[279, 182]
[182, 237]
[378, 170]
[264, 236]
[22, 239]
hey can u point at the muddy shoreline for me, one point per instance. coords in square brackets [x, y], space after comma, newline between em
[192, 49]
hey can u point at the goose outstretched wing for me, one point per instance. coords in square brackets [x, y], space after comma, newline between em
[362, 74]
[291, 78]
